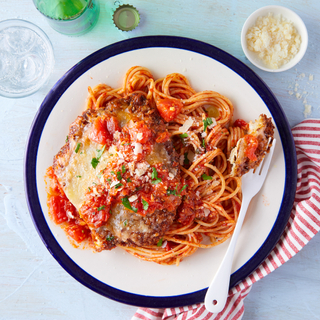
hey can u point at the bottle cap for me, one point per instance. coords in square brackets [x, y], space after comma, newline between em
[126, 17]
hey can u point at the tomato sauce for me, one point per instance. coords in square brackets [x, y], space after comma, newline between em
[252, 145]
[103, 130]
[241, 124]
[62, 211]
[169, 108]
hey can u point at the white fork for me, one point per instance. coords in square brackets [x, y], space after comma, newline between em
[252, 182]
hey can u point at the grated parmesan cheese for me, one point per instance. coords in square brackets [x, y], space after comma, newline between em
[133, 198]
[142, 168]
[214, 123]
[137, 148]
[274, 39]
[186, 126]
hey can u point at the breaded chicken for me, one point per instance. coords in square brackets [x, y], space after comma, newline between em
[252, 148]
[111, 168]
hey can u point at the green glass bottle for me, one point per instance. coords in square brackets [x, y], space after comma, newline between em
[70, 17]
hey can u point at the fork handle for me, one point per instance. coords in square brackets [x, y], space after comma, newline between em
[217, 292]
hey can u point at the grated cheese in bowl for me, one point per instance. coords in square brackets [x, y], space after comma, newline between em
[274, 39]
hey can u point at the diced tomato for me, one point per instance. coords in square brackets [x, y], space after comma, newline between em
[96, 210]
[241, 124]
[94, 217]
[139, 132]
[252, 145]
[58, 207]
[77, 232]
[163, 137]
[103, 129]
[169, 108]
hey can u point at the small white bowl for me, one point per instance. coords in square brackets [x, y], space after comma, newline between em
[288, 15]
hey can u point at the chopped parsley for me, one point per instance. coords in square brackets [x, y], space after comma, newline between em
[203, 143]
[206, 177]
[89, 188]
[94, 162]
[154, 176]
[159, 244]
[183, 135]
[145, 205]
[78, 176]
[185, 186]
[77, 147]
[126, 203]
[110, 238]
[129, 180]
[67, 138]
[119, 177]
[118, 185]
[100, 152]
[125, 222]
[156, 181]
[175, 191]
[123, 169]
[101, 208]
[207, 122]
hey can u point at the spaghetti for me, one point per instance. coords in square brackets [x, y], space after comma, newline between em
[203, 134]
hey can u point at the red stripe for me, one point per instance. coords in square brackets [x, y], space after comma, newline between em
[295, 237]
[185, 315]
[259, 273]
[251, 276]
[279, 256]
[238, 314]
[306, 180]
[200, 312]
[266, 267]
[284, 249]
[303, 220]
[308, 121]
[302, 232]
[274, 264]
[302, 134]
[221, 314]
[140, 316]
[235, 304]
[309, 215]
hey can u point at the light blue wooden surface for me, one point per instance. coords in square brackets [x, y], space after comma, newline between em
[32, 284]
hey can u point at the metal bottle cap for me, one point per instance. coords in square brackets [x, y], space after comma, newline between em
[126, 17]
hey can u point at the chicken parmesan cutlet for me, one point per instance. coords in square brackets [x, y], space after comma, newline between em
[110, 170]
[252, 148]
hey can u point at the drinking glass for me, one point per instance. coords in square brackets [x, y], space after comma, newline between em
[70, 17]
[26, 58]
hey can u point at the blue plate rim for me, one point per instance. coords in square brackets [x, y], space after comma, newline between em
[141, 43]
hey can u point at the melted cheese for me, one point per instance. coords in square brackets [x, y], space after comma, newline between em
[159, 154]
[80, 173]
[123, 117]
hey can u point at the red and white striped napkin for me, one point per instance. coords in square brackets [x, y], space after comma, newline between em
[303, 224]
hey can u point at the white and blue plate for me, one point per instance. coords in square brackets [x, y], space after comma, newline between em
[117, 274]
